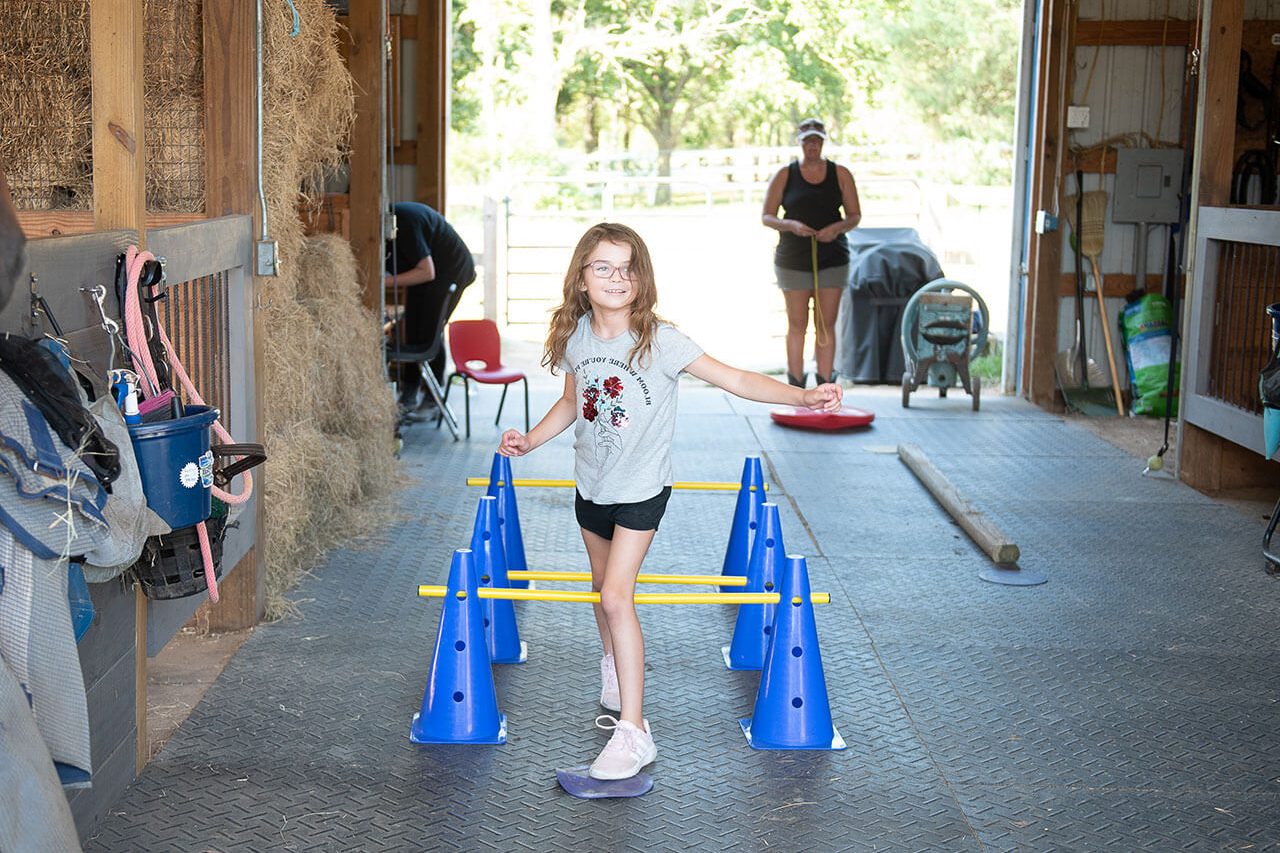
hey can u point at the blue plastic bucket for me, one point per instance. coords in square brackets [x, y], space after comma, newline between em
[176, 465]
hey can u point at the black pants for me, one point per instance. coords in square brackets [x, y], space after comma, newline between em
[427, 311]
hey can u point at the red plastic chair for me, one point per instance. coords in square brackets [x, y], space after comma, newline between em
[476, 350]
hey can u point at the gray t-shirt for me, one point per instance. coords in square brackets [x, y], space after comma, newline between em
[626, 413]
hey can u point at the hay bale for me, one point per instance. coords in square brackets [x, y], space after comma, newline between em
[46, 120]
[350, 341]
[46, 128]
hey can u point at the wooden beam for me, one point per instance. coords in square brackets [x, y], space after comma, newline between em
[119, 197]
[65, 223]
[1220, 70]
[405, 153]
[1044, 261]
[1115, 285]
[1202, 454]
[119, 201]
[366, 32]
[408, 26]
[231, 179]
[432, 89]
[1136, 33]
[984, 533]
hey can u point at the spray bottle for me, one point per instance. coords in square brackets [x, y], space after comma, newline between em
[124, 384]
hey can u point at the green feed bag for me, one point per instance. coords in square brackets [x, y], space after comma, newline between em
[1147, 330]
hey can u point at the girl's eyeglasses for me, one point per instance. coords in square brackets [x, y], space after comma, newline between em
[604, 269]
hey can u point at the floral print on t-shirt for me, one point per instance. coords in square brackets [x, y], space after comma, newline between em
[602, 406]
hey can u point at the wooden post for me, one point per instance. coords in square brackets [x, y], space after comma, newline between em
[119, 201]
[984, 534]
[1202, 462]
[432, 84]
[1215, 123]
[230, 97]
[367, 57]
[1044, 261]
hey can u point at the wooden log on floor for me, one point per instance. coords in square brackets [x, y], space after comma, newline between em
[986, 535]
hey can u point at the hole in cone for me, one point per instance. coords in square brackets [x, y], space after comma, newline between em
[769, 542]
[768, 585]
[457, 696]
[796, 651]
[460, 646]
[797, 702]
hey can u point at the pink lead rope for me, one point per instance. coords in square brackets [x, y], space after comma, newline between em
[135, 324]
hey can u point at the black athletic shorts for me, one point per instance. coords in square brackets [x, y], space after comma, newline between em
[601, 518]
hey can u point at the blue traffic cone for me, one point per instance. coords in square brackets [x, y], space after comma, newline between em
[755, 621]
[508, 517]
[460, 704]
[746, 516]
[500, 631]
[792, 710]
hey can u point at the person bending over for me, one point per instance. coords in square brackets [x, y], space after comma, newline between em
[424, 258]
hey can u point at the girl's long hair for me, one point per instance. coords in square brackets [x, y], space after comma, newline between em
[644, 322]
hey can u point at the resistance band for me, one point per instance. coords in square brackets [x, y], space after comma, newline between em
[820, 336]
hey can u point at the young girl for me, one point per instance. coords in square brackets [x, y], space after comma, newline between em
[622, 367]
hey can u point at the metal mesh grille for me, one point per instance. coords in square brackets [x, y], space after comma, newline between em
[173, 86]
[196, 318]
[1248, 281]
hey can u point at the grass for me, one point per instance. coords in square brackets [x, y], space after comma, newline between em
[988, 365]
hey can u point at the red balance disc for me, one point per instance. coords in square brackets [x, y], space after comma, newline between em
[805, 418]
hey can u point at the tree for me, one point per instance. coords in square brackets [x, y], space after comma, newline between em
[957, 65]
[670, 59]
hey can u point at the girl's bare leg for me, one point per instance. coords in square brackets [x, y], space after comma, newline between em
[616, 613]
[598, 554]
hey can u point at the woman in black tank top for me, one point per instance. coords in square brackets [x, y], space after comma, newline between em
[811, 193]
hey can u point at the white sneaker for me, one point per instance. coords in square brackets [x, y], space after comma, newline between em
[626, 753]
[609, 698]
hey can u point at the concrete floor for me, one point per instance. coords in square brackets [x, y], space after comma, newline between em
[1126, 704]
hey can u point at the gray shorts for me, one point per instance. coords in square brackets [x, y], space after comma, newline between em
[803, 279]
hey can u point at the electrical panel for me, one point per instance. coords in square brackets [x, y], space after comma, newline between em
[1148, 181]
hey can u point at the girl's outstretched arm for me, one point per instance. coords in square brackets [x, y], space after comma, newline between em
[557, 420]
[764, 389]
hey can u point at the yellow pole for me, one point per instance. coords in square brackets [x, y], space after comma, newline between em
[709, 580]
[583, 596]
[680, 485]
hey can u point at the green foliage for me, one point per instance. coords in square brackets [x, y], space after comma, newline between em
[956, 64]
[989, 366]
[652, 76]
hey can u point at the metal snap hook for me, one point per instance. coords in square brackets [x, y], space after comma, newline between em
[99, 294]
